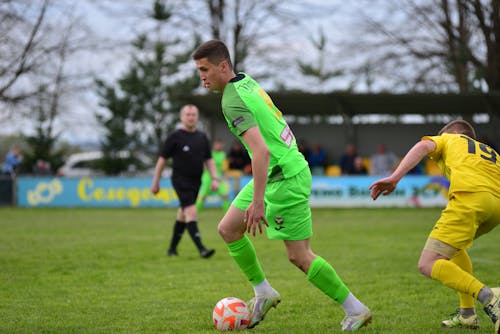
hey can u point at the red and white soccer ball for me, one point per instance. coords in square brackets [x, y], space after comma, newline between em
[231, 314]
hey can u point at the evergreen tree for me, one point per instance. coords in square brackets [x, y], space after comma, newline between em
[144, 106]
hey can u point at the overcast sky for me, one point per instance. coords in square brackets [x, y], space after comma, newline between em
[121, 21]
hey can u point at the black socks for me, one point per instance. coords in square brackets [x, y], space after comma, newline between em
[179, 228]
[192, 227]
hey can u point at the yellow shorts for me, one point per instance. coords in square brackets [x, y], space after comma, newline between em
[466, 217]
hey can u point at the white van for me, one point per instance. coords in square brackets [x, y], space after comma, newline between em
[84, 164]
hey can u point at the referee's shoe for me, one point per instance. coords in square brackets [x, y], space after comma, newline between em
[206, 253]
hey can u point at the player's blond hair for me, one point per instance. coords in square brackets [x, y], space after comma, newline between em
[459, 126]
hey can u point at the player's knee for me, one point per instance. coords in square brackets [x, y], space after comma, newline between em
[228, 233]
[424, 268]
[223, 232]
[294, 260]
[297, 261]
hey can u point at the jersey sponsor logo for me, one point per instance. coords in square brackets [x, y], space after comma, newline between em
[287, 135]
[238, 121]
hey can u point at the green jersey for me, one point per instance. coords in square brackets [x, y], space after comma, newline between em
[245, 104]
[219, 158]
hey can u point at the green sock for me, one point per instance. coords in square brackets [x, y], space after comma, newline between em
[324, 277]
[199, 205]
[243, 253]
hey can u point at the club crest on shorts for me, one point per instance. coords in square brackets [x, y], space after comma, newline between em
[279, 221]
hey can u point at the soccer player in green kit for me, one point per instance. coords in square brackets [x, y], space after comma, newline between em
[219, 157]
[278, 194]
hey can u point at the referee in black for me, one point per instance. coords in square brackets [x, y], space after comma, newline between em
[189, 149]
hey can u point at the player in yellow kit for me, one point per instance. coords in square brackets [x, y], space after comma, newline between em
[473, 209]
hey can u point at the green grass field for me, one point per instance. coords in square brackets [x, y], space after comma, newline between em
[105, 271]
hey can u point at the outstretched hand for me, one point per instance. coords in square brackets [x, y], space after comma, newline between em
[383, 186]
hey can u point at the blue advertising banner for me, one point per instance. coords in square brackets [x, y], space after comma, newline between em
[96, 192]
[351, 191]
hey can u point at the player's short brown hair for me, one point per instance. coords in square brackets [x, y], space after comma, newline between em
[459, 126]
[214, 50]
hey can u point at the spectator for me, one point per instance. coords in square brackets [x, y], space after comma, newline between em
[304, 149]
[359, 167]
[12, 161]
[419, 169]
[347, 160]
[317, 160]
[383, 162]
[238, 158]
[42, 167]
[486, 140]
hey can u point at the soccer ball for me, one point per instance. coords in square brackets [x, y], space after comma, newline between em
[230, 314]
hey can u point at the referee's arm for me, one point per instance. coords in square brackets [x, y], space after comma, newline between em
[155, 186]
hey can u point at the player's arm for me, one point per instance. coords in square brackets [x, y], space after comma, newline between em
[387, 185]
[210, 164]
[160, 164]
[255, 213]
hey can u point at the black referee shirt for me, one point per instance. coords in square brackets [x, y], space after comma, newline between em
[189, 151]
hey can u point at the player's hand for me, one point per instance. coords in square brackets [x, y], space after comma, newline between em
[383, 186]
[155, 188]
[215, 185]
[254, 217]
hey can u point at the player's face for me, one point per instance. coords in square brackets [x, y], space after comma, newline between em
[210, 74]
[218, 146]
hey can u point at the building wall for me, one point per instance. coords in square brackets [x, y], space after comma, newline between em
[398, 138]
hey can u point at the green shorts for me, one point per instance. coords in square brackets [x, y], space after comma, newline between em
[287, 206]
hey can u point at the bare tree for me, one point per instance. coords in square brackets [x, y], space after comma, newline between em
[46, 108]
[488, 19]
[246, 26]
[318, 69]
[19, 45]
[39, 78]
[432, 45]
[31, 39]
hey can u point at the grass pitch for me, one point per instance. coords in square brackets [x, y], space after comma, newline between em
[105, 271]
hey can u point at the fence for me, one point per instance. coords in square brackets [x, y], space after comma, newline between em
[348, 191]
[7, 194]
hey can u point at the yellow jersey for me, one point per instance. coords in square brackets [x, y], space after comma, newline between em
[471, 166]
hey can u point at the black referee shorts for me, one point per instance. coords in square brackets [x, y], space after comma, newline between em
[187, 189]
